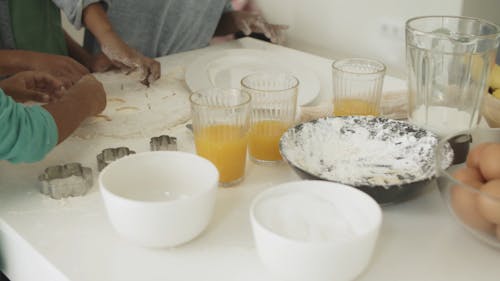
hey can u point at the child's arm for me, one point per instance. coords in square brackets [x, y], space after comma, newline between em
[95, 63]
[28, 133]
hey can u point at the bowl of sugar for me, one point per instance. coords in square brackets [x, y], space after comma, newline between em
[315, 230]
[390, 160]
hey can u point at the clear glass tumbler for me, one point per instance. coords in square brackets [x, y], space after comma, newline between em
[274, 103]
[449, 59]
[221, 119]
[357, 86]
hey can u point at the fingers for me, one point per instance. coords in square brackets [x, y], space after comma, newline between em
[49, 85]
[129, 60]
[33, 95]
[155, 70]
[45, 81]
[245, 27]
[36, 86]
[67, 83]
[249, 23]
[279, 34]
[151, 71]
[263, 27]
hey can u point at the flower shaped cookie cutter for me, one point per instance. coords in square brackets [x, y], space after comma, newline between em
[163, 142]
[66, 180]
[109, 155]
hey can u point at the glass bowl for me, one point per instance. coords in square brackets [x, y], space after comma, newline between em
[462, 199]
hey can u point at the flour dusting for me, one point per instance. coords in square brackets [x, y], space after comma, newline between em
[362, 151]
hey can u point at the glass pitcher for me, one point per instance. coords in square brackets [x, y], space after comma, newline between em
[449, 60]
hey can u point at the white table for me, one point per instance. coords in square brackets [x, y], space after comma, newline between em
[45, 239]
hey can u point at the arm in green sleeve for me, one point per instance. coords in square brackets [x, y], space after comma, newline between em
[27, 133]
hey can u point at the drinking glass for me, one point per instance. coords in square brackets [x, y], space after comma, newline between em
[274, 103]
[449, 59]
[220, 126]
[357, 86]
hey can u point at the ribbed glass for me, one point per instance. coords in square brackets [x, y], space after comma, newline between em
[221, 119]
[274, 103]
[357, 86]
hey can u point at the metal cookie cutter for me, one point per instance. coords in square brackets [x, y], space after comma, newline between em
[163, 142]
[109, 155]
[67, 180]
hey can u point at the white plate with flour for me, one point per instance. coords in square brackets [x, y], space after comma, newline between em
[226, 68]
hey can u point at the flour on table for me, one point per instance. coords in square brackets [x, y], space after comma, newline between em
[134, 110]
[362, 151]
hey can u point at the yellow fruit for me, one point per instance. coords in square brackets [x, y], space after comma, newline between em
[495, 78]
[496, 93]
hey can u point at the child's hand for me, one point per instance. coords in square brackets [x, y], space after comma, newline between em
[129, 60]
[248, 22]
[33, 86]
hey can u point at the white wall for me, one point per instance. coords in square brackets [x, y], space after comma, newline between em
[346, 28]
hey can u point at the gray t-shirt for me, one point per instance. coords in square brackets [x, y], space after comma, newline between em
[161, 27]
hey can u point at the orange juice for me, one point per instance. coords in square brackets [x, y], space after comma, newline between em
[346, 107]
[264, 139]
[226, 147]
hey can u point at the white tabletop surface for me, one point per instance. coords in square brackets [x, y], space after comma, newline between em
[71, 239]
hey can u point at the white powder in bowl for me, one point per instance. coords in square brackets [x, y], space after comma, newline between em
[361, 150]
[442, 120]
[304, 216]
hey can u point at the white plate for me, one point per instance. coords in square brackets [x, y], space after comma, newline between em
[226, 68]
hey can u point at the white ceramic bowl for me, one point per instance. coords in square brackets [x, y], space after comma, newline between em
[161, 198]
[315, 230]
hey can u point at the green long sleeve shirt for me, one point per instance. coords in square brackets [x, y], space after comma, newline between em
[27, 133]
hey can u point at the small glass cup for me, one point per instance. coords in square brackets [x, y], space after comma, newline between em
[221, 119]
[274, 103]
[357, 86]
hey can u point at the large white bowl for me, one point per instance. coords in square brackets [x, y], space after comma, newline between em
[315, 230]
[161, 198]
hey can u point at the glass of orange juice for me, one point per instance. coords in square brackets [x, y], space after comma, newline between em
[221, 119]
[274, 103]
[357, 86]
